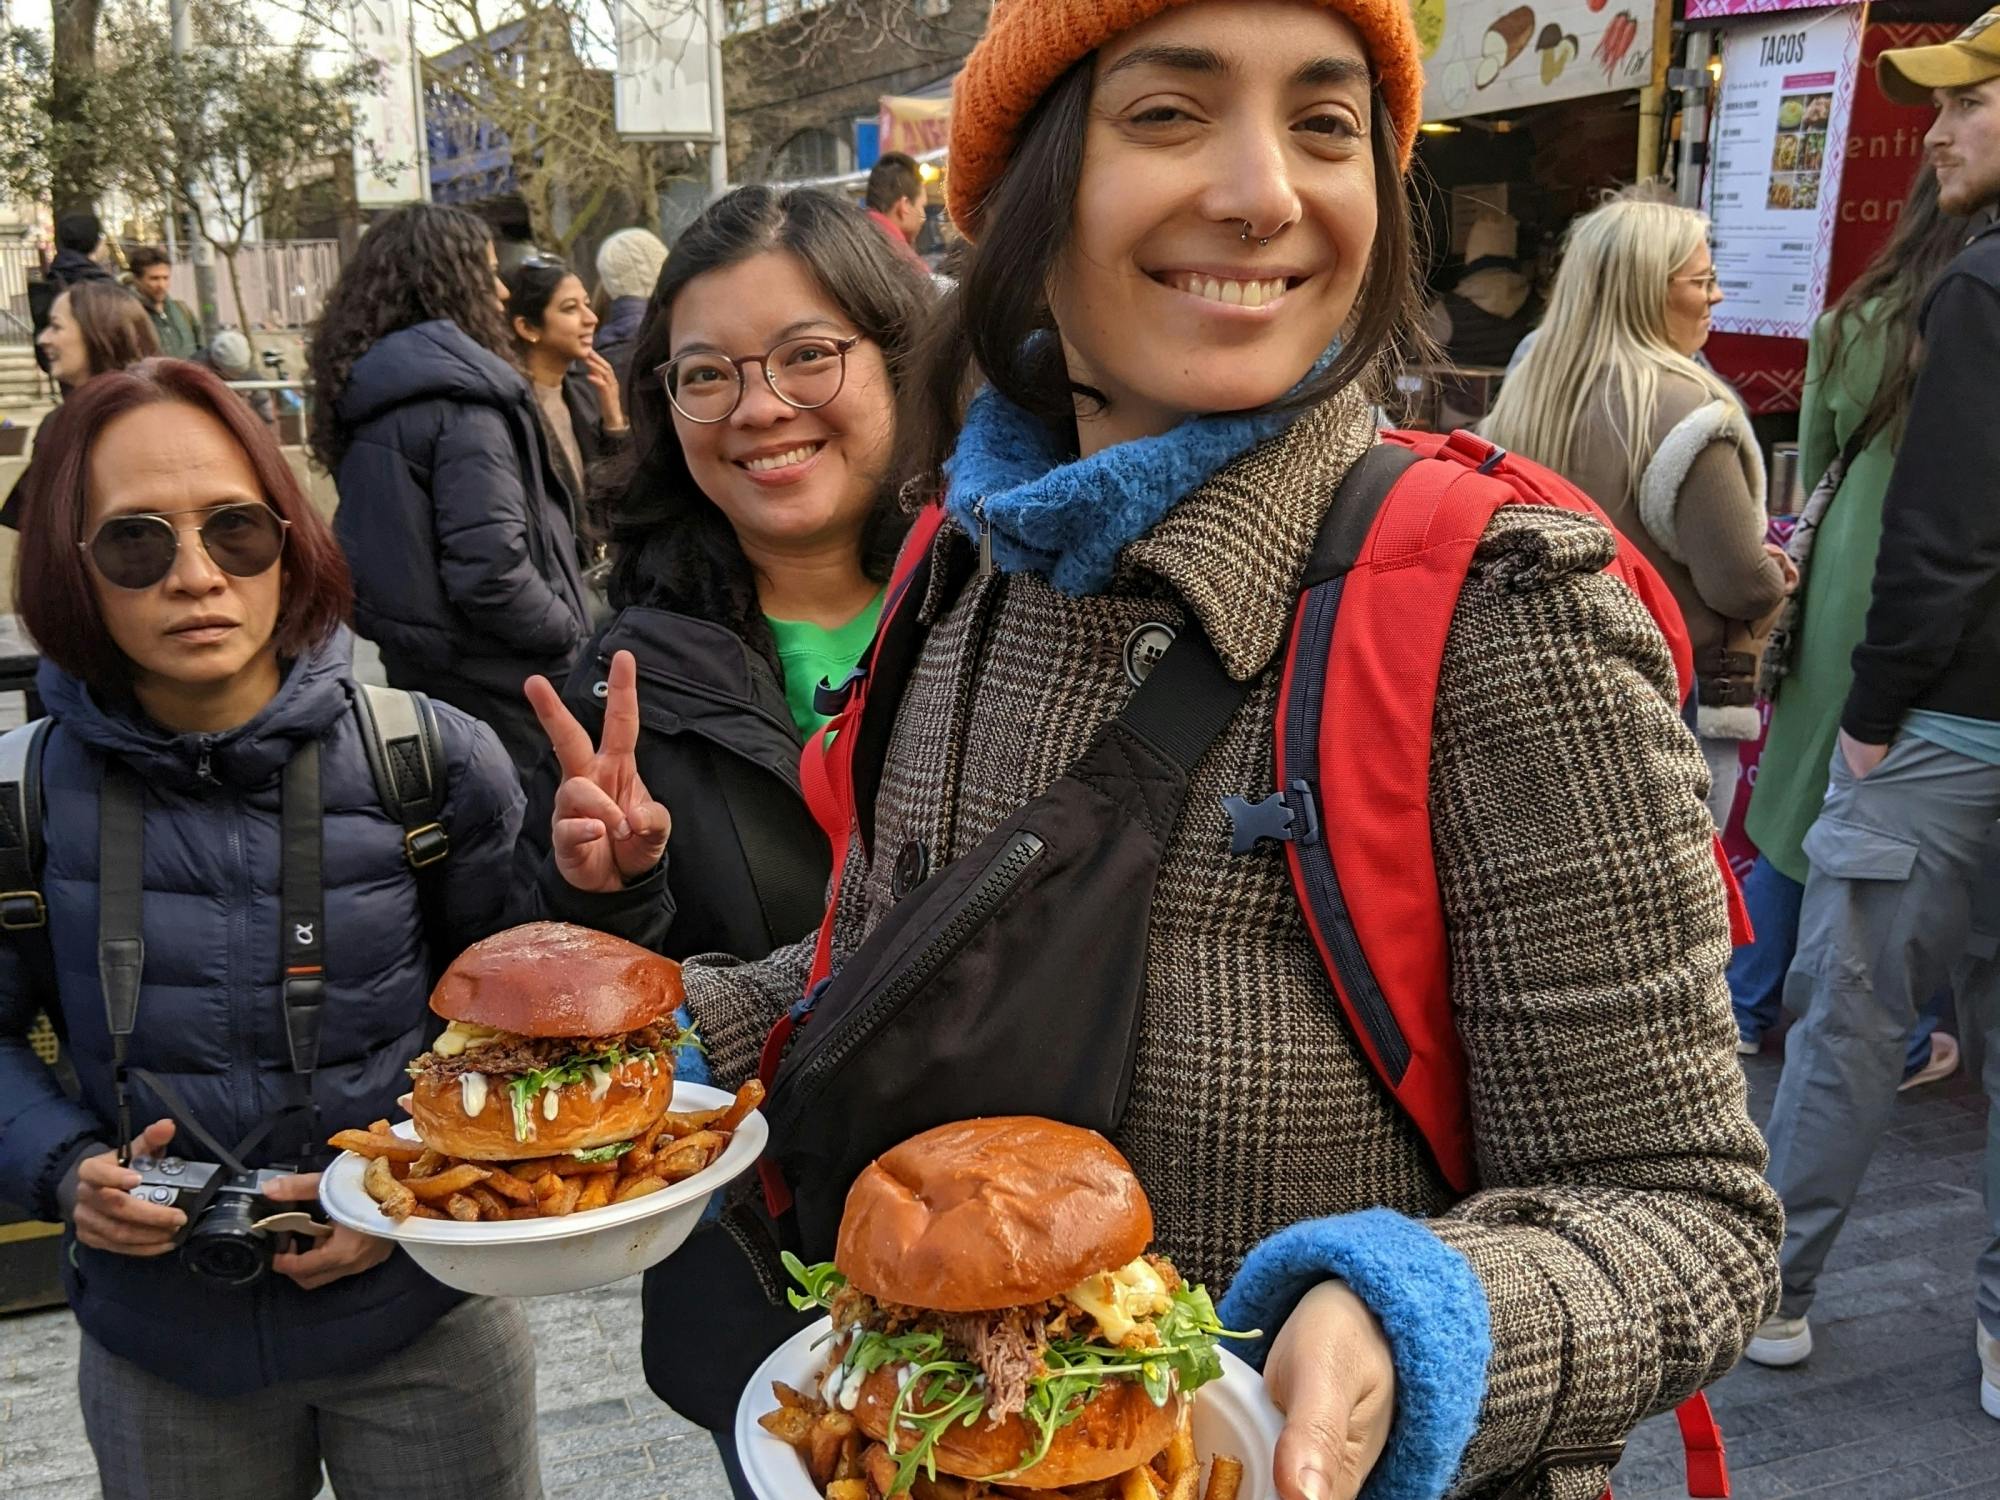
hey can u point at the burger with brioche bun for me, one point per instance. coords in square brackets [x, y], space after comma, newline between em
[996, 1315]
[561, 1040]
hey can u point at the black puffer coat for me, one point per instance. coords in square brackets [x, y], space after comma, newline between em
[459, 532]
[746, 867]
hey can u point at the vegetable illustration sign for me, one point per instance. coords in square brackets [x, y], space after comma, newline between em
[1484, 56]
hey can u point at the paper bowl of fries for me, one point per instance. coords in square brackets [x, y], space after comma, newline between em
[794, 1447]
[559, 1224]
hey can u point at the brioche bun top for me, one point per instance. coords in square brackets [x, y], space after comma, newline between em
[552, 979]
[988, 1214]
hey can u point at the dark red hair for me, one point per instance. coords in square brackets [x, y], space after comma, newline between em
[52, 582]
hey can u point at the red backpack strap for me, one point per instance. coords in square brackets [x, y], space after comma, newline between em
[827, 772]
[1366, 649]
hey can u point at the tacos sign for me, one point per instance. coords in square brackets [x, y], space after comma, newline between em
[1484, 56]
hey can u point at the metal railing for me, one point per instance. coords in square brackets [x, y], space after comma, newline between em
[19, 264]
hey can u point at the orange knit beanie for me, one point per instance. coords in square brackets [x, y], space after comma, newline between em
[1029, 44]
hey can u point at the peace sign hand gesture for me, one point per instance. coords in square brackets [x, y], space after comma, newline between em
[606, 828]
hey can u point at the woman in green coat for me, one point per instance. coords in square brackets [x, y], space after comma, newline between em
[1860, 370]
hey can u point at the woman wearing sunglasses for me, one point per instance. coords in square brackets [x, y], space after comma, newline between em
[749, 552]
[455, 520]
[190, 603]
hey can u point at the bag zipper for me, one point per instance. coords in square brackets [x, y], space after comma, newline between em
[978, 904]
[1315, 856]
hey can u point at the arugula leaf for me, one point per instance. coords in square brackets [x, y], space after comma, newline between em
[604, 1153]
[938, 1392]
[572, 1069]
[820, 1282]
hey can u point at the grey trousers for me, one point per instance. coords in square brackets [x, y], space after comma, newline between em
[1902, 895]
[1724, 759]
[450, 1417]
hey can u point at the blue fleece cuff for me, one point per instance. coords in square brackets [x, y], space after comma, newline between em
[1430, 1304]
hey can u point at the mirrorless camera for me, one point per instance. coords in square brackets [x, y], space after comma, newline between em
[227, 1238]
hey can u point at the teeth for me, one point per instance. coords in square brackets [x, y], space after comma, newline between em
[782, 460]
[1231, 293]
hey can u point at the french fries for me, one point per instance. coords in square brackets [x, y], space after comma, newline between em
[408, 1178]
[844, 1467]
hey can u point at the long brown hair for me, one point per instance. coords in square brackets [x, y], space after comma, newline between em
[1888, 296]
[116, 329]
[997, 323]
[51, 578]
[416, 264]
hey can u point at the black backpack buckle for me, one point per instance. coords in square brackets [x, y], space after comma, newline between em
[830, 699]
[1288, 817]
[426, 845]
[22, 911]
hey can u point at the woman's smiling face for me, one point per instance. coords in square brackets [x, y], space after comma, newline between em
[784, 478]
[1225, 215]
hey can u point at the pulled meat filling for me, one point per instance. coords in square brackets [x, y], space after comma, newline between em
[508, 1054]
[1005, 1345]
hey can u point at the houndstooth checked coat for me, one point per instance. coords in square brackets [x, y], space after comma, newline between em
[1624, 1236]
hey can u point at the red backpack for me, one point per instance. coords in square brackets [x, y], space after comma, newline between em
[1367, 643]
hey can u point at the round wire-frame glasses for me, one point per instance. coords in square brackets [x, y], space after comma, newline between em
[696, 386]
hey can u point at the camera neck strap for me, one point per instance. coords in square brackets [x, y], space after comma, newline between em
[121, 943]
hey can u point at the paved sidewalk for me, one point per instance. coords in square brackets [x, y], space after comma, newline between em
[1888, 1405]
[604, 1435]
[1887, 1408]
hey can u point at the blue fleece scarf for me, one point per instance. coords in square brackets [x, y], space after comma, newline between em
[1069, 518]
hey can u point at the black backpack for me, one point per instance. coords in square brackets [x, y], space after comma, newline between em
[405, 754]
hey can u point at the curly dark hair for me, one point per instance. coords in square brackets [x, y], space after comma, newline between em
[416, 264]
[670, 545]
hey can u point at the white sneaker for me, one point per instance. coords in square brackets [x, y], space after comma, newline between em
[1780, 1342]
[1943, 1063]
[1989, 1366]
[1747, 1048]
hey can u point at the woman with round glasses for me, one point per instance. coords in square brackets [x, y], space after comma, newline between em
[459, 528]
[190, 601]
[1612, 398]
[749, 551]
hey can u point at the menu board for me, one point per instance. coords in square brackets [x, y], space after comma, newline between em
[1780, 137]
[1484, 56]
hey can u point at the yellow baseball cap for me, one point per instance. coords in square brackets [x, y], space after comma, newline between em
[1908, 74]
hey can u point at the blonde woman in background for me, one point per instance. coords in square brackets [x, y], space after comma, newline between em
[1613, 399]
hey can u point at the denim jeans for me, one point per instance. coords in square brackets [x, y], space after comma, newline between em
[1757, 973]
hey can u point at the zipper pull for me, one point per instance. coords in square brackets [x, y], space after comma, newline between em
[202, 764]
[985, 538]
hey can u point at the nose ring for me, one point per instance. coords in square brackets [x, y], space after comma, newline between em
[1262, 239]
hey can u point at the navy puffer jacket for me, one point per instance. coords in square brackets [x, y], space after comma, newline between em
[457, 528]
[211, 1010]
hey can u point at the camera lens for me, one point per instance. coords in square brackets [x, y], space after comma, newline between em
[224, 1247]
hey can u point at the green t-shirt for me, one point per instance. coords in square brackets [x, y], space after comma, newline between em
[811, 654]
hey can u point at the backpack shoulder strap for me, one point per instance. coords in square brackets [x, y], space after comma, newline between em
[22, 908]
[1354, 725]
[405, 753]
[1365, 648]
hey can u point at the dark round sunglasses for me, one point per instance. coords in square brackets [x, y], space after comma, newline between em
[137, 551]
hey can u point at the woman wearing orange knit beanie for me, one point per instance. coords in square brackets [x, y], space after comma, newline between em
[1191, 269]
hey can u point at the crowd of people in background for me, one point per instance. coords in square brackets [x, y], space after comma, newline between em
[630, 537]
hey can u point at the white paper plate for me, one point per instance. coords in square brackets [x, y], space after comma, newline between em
[541, 1257]
[1232, 1415]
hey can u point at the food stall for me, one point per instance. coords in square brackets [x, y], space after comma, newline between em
[1809, 166]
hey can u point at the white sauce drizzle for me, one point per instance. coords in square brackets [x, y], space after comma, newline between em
[472, 1092]
[600, 1084]
[549, 1104]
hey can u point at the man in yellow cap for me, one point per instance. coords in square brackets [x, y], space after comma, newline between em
[1896, 891]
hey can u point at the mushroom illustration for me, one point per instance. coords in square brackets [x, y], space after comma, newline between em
[1557, 51]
